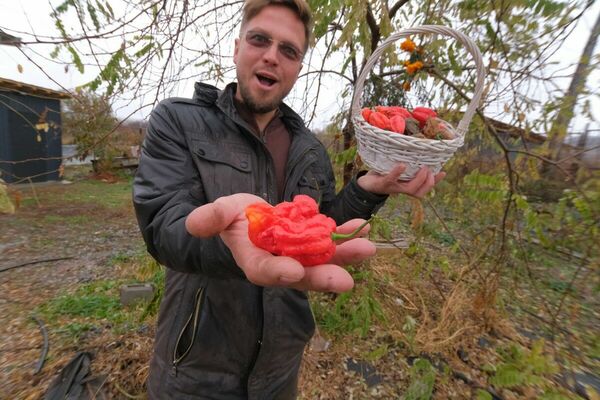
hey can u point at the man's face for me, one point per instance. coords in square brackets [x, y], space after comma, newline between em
[264, 57]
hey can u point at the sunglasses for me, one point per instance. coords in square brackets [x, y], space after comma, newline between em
[263, 41]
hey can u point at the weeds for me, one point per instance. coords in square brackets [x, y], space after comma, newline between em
[98, 304]
[96, 300]
[422, 379]
[522, 367]
[350, 312]
[86, 192]
[410, 330]
[75, 330]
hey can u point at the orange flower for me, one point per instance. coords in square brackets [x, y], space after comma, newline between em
[408, 45]
[414, 67]
[406, 86]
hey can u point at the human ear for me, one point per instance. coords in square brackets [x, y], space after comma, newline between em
[236, 49]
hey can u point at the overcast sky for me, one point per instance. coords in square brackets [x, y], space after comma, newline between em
[33, 15]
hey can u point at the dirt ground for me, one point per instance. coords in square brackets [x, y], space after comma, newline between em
[64, 237]
[49, 247]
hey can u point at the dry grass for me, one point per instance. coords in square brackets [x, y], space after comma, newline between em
[445, 321]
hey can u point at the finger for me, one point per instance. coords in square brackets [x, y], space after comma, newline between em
[439, 177]
[395, 172]
[353, 251]
[415, 183]
[260, 266]
[213, 218]
[426, 187]
[326, 278]
[264, 269]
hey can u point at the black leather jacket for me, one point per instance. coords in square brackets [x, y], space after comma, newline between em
[218, 335]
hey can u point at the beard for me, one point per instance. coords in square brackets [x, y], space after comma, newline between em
[258, 106]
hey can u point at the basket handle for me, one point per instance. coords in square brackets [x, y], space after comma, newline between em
[435, 29]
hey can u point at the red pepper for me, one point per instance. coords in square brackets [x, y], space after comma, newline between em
[397, 110]
[366, 112]
[379, 120]
[391, 111]
[398, 123]
[422, 114]
[294, 229]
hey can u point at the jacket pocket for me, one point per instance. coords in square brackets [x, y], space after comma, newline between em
[312, 183]
[225, 168]
[187, 335]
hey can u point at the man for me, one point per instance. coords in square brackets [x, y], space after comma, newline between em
[235, 319]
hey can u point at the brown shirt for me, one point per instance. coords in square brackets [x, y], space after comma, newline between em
[276, 138]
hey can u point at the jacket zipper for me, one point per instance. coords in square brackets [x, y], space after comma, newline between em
[195, 316]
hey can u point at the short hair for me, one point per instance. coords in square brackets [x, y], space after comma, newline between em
[300, 7]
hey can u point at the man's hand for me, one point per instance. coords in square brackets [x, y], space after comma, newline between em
[225, 217]
[418, 186]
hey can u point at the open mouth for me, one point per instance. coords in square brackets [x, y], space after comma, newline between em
[265, 80]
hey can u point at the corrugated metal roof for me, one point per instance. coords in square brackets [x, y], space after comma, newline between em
[21, 87]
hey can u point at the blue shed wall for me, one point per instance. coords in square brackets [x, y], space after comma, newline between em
[26, 152]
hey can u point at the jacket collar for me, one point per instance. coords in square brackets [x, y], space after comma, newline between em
[208, 95]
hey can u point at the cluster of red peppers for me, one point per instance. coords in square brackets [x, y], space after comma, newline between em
[420, 122]
[294, 229]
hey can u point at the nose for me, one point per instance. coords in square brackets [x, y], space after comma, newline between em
[271, 55]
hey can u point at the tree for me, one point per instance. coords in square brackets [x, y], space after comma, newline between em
[566, 109]
[88, 119]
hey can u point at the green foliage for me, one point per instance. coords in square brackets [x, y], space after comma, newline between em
[381, 227]
[6, 205]
[480, 201]
[483, 395]
[575, 212]
[345, 156]
[410, 330]
[553, 394]
[76, 59]
[75, 330]
[422, 380]
[115, 73]
[144, 269]
[98, 304]
[86, 12]
[378, 353]
[157, 278]
[595, 346]
[94, 193]
[438, 233]
[89, 120]
[95, 300]
[350, 312]
[522, 367]
[561, 286]
[74, 220]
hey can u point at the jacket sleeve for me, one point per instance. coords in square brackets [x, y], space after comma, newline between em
[166, 188]
[351, 202]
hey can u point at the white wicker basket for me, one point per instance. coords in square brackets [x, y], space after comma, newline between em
[381, 150]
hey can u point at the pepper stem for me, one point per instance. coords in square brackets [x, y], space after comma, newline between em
[338, 236]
